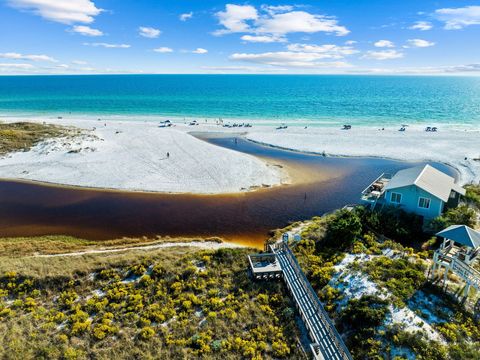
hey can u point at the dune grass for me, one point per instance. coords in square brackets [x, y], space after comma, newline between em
[13, 247]
[21, 136]
[171, 303]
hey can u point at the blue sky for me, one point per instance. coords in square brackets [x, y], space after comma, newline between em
[181, 36]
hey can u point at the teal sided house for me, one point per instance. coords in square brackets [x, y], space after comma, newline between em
[422, 190]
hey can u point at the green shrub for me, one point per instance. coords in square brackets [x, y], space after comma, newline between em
[401, 277]
[343, 229]
[146, 333]
[394, 223]
[472, 195]
[361, 317]
[461, 215]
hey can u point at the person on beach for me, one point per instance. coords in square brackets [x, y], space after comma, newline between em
[168, 155]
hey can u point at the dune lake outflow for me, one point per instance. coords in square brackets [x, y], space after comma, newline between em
[29, 209]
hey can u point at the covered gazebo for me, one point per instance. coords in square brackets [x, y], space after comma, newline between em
[466, 237]
[459, 249]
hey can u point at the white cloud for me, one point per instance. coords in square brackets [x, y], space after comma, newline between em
[62, 11]
[384, 44]
[235, 18]
[163, 50]
[86, 30]
[288, 59]
[418, 43]
[16, 66]
[149, 32]
[426, 70]
[463, 68]
[383, 55]
[301, 56]
[17, 56]
[276, 9]
[200, 51]
[107, 45]
[79, 62]
[458, 18]
[350, 42]
[263, 38]
[300, 21]
[186, 16]
[421, 25]
[252, 69]
[275, 21]
[327, 51]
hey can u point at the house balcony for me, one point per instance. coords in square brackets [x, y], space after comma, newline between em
[376, 189]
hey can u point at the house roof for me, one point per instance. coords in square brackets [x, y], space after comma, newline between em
[426, 178]
[462, 234]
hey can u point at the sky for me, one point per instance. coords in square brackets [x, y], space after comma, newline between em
[202, 36]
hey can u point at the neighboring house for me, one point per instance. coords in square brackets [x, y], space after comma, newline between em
[422, 190]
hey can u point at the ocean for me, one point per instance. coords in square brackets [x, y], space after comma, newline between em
[294, 99]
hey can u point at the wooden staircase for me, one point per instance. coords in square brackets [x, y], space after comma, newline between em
[327, 342]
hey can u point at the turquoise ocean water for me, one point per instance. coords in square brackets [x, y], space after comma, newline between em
[323, 100]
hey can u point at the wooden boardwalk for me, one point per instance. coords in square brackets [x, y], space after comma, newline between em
[327, 343]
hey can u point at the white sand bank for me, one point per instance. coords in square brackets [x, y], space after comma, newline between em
[133, 156]
[449, 145]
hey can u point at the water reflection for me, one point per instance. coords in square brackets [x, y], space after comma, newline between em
[325, 183]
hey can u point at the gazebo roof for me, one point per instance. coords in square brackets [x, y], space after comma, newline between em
[462, 234]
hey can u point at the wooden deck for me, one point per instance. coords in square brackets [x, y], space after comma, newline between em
[327, 343]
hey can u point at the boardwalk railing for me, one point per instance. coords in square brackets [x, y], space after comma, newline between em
[466, 272]
[328, 344]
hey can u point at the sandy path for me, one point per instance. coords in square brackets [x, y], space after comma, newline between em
[206, 245]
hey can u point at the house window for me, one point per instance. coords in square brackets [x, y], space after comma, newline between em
[396, 198]
[424, 203]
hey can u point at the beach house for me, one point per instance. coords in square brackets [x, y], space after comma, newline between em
[422, 190]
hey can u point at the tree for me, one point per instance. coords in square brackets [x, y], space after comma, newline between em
[343, 229]
[462, 215]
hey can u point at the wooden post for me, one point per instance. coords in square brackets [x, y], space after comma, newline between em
[435, 259]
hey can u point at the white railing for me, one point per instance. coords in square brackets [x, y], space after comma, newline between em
[463, 270]
[383, 176]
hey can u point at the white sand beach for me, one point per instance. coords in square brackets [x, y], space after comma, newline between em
[132, 155]
[456, 146]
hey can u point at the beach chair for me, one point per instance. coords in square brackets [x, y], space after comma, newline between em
[428, 128]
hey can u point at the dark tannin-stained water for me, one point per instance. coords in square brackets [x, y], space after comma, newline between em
[32, 209]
